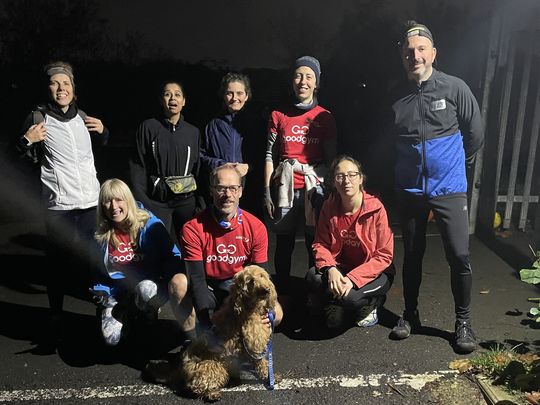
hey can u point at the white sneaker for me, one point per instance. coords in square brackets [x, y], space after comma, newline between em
[111, 328]
[367, 316]
[145, 290]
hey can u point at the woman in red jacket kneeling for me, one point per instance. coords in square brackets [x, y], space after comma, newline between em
[353, 251]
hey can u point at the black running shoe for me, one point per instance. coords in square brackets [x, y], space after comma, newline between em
[408, 323]
[465, 340]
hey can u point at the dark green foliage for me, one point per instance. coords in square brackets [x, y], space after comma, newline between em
[532, 276]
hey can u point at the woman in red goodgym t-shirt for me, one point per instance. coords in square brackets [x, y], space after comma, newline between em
[301, 143]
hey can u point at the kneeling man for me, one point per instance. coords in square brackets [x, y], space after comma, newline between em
[216, 245]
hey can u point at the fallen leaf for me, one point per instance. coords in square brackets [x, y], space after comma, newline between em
[462, 365]
[528, 357]
[503, 234]
[533, 397]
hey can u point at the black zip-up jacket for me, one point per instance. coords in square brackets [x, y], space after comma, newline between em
[162, 150]
[439, 128]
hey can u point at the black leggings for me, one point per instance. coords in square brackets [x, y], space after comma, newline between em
[70, 251]
[174, 214]
[452, 219]
[283, 257]
[357, 297]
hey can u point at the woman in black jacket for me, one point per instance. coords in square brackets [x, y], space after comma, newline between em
[166, 162]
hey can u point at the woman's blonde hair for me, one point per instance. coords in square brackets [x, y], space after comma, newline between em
[135, 220]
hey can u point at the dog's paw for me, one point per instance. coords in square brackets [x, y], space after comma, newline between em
[278, 378]
[158, 372]
[212, 396]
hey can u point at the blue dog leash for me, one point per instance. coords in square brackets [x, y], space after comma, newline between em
[267, 352]
[271, 381]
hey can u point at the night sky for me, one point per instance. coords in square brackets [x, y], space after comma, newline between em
[122, 50]
[238, 33]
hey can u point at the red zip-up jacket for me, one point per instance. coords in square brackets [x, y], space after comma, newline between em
[373, 231]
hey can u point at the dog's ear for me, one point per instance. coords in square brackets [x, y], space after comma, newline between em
[236, 293]
[266, 281]
[237, 307]
[237, 301]
[272, 296]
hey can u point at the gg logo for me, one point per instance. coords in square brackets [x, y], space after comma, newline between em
[300, 130]
[229, 249]
[347, 234]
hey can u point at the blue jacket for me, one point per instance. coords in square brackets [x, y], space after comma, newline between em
[438, 128]
[222, 142]
[161, 258]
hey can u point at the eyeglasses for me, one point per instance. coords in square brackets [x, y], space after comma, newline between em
[222, 190]
[339, 177]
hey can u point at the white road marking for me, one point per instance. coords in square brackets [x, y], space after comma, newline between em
[415, 381]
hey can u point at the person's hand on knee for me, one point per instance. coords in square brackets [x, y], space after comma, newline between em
[346, 286]
[334, 282]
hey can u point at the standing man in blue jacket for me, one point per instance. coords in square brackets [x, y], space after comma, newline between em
[438, 133]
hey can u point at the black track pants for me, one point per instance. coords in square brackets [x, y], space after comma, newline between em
[451, 215]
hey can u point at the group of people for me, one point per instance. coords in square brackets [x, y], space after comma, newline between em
[178, 233]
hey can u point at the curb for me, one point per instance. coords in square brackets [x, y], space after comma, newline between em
[492, 393]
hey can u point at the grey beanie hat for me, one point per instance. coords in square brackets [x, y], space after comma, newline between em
[60, 67]
[311, 63]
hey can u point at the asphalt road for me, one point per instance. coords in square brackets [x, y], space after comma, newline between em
[360, 366]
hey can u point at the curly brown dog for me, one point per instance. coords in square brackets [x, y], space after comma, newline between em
[245, 338]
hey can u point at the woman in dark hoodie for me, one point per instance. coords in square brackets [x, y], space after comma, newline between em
[234, 136]
[166, 162]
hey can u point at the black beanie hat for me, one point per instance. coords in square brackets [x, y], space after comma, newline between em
[413, 28]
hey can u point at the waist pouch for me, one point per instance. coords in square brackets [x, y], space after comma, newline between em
[164, 189]
[181, 184]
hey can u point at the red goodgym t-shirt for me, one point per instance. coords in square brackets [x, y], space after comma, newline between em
[352, 253]
[301, 134]
[224, 252]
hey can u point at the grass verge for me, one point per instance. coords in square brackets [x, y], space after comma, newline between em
[518, 373]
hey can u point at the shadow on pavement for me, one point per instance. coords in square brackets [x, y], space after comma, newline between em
[435, 332]
[143, 344]
[76, 339]
[518, 346]
[31, 240]
[23, 272]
